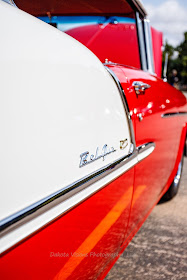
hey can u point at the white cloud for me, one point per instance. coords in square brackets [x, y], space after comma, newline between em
[170, 18]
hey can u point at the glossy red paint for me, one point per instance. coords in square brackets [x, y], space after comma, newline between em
[159, 99]
[113, 38]
[90, 231]
[85, 242]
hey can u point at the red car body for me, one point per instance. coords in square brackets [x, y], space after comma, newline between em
[85, 242]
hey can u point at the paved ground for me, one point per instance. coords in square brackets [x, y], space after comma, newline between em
[159, 250]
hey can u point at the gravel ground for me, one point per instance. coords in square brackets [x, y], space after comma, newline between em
[159, 250]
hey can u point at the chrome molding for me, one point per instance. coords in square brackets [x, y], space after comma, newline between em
[175, 114]
[165, 68]
[12, 227]
[15, 218]
[125, 104]
[7, 222]
[145, 150]
[23, 223]
[140, 87]
[149, 47]
[178, 175]
[144, 147]
[141, 42]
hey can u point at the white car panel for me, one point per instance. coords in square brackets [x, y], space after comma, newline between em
[44, 124]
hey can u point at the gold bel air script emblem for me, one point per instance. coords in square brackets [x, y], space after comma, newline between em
[86, 158]
[123, 144]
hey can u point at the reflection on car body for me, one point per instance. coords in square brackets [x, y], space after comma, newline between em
[91, 137]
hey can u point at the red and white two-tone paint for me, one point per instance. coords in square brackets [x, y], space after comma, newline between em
[88, 146]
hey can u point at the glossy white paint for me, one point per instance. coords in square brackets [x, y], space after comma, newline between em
[23, 230]
[57, 101]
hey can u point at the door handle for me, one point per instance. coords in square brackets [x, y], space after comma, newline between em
[140, 87]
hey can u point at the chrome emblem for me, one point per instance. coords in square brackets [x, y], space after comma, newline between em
[86, 158]
[123, 144]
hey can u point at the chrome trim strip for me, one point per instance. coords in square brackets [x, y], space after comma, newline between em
[141, 42]
[7, 222]
[125, 104]
[149, 47]
[13, 227]
[15, 218]
[175, 114]
[145, 150]
[145, 147]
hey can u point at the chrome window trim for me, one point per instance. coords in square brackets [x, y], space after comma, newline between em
[148, 46]
[145, 44]
[12, 227]
[141, 42]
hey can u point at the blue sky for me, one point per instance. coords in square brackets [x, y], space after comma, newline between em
[159, 2]
[168, 16]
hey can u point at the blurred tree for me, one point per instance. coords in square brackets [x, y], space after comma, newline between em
[182, 49]
[168, 49]
[178, 62]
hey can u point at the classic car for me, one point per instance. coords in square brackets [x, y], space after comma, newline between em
[91, 136]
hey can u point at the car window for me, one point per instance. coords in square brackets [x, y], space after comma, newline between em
[109, 37]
